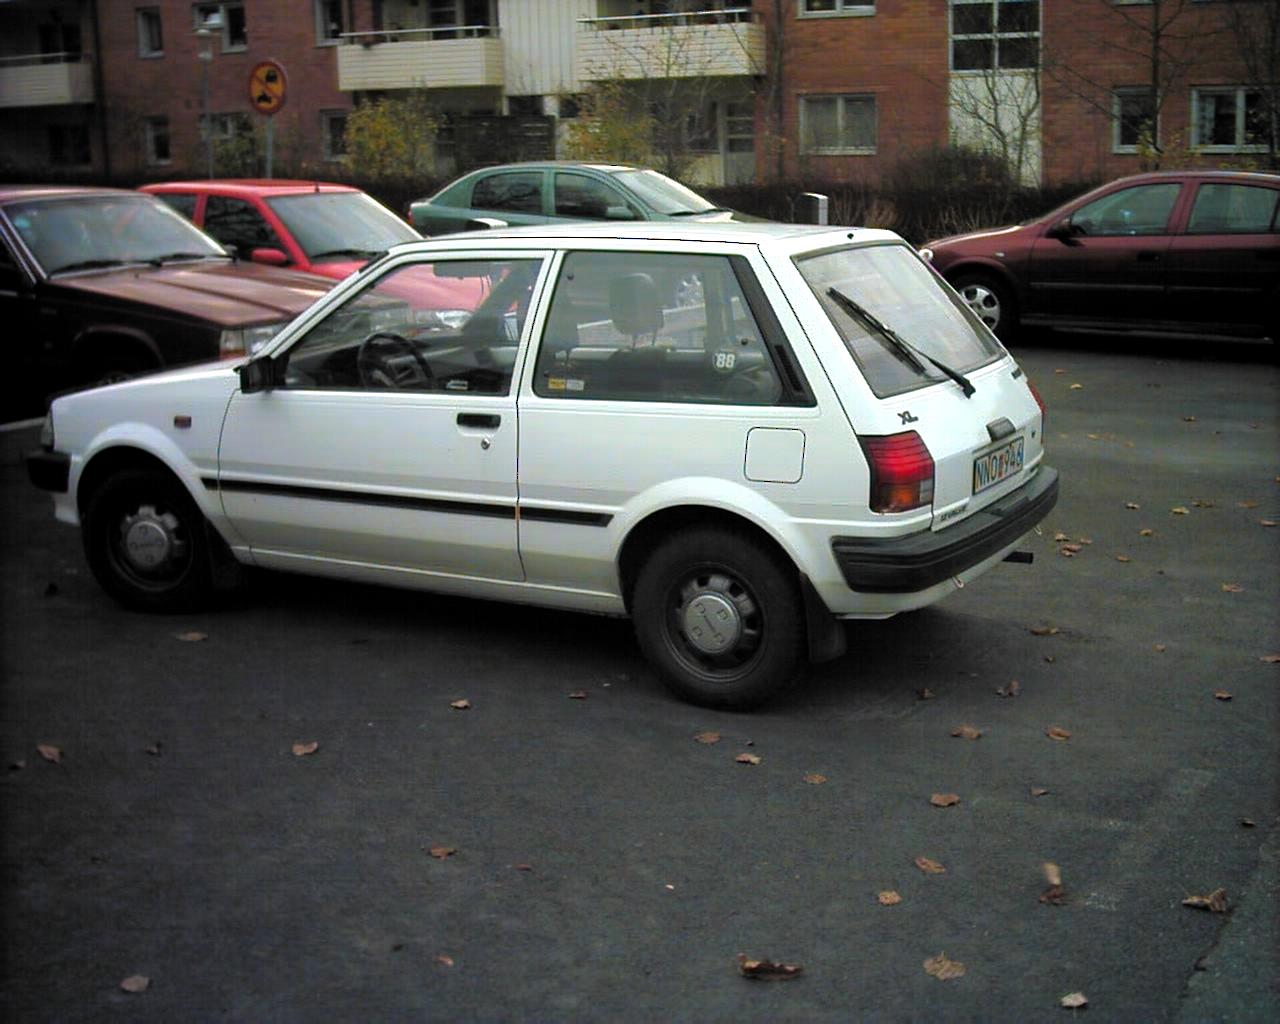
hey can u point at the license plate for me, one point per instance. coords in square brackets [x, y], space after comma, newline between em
[996, 465]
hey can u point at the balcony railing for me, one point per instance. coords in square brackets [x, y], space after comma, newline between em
[688, 44]
[427, 58]
[45, 79]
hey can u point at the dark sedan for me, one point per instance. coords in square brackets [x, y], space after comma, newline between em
[1170, 252]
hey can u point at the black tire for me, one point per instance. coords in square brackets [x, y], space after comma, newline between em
[145, 541]
[750, 587]
[991, 300]
[116, 364]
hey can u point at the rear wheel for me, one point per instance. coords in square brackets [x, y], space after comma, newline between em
[721, 618]
[991, 300]
[145, 541]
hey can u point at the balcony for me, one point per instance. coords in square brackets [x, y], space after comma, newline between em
[422, 58]
[45, 80]
[693, 44]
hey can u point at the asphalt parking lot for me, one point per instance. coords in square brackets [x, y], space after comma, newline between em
[564, 848]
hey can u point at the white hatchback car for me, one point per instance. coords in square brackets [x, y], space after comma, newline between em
[819, 430]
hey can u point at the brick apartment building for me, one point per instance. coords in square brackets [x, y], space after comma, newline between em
[830, 89]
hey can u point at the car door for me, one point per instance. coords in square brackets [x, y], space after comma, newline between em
[1224, 269]
[1109, 264]
[517, 197]
[389, 439]
[578, 196]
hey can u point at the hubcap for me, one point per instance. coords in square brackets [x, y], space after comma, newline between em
[712, 623]
[983, 301]
[715, 624]
[150, 541]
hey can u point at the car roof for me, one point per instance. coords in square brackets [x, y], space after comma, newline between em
[249, 186]
[1196, 172]
[10, 193]
[541, 165]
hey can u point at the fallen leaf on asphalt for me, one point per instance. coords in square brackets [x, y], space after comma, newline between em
[925, 694]
[1132, 505]
[1012, 690]
[1060, 537]
[1055, 896]
[814, 779]
[49, 753]
[156, 749]
[523, 867]
[1052, 873]
[1123, 558]
[1267, 522]
[1074, 1001]
[1055, 732]
[444, 960]
[767, 970]
[1199, 503]
[1215, 902]
[304, 749]
[191, 637]
[966, 732]
[1085, 540]
[1246, 504]
[930, 867]
[1039, 791]
[888, 898]
[1064, 371]
[1221, 695]
[18, 765]
[1146, 533]
[1247, 823]
[442, 852]
[1161, 648]
[1045, 631]
[942, 968]
[944, 799]
[748, 759]
[135, 983]
[1076, 387]
[707, 737]
[1271, 659]
[578, 695]
[460, 705]
[1188, 419]
[1232, 588]
[1181, 510]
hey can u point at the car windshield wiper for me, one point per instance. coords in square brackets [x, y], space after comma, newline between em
[698, 213]
[173, 257]
[88, 265]
[909, 353]
[368, 254]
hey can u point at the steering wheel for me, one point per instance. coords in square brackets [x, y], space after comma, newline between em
[381, 363]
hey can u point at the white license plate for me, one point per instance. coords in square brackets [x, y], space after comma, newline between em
[998, 464]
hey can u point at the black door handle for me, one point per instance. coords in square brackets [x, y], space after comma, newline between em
[480, 420]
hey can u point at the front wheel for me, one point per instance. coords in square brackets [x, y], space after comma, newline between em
[145, 541]
[721, 618]
[991, 300]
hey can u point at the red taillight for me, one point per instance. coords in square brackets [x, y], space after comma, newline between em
[1040, 402]
[901, 471]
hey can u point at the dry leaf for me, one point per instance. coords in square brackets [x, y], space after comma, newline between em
[942, 968]
[1270, 659]
[1044, 631]
[1050, 658]
[888, 898]
[1059, 371]
[1039, 791]
[1216, 901]
[1085, 540]
[748, 759]
[135, 983]
[1199, 503]
[1076, 387]
[523, 867]
[1052, 873]
[1161, 648]
[192, 637]
[1246, 504]
[1267, 522]
[814, 779]
[966, 732]
[49, 753]
[578, 695]
[930, 867]
[1069, 550]
[1057, 733]
[460, 705]
[1074, 1001]
[1247, 823]
[442, 852]
[444, 960]
[1132, 505]
[1181, 510]
[156, 749]
[18, 765]
[1146, 533]
[1188, 419]
[707, 737]
[1232, 588]
[767, 970]
[1221, 695]
[1012, 690]
[303, 749]
[925, 694]
[1123, 558]
[1054, 896]
[944, 799]
[1060, 537]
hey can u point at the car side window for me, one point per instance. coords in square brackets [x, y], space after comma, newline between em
[1233, 210]
[444, 326]
[515, 192]
[653, 327]
[579, 195]
[1141, 210]
[183, 202]
[235, 222]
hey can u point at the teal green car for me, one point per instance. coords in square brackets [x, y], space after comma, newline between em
[512, 195]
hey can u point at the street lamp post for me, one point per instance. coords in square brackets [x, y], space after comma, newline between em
[204, 37]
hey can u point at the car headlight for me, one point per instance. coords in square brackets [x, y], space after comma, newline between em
[453, 319]
[46, 432]
[926, 254]
[247, 340]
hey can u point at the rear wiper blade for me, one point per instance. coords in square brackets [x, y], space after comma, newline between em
[87, 265]
[909, 353]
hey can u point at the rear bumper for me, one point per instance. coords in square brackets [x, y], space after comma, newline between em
[904, 565]
[48, 470]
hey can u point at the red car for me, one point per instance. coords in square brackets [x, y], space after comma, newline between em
[1170, 252]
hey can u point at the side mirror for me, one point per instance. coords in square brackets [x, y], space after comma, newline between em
[619, 213]
[1062, 231]
[271, 257]
[484, 224]
[257, 375]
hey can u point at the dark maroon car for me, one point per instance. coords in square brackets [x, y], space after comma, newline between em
[1169, 252]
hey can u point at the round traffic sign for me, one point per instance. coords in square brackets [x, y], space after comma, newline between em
[267, 87]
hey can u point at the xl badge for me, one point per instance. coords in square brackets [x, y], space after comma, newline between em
[906, 417]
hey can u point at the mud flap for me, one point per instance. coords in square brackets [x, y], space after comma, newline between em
[825, 632]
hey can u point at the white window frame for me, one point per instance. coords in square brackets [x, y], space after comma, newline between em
[843, 9]
[841, 103]
[1240, 92]
[149, 126]
[995, 36]
[322, 28]
[1117, 95]
[327, 117]
[225, 23]
[145, 15]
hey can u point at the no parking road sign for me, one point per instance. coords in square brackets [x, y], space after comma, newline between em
[266, 87]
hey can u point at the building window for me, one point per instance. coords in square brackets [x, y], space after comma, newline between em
[328, 22]
[835, 8]
[1229, 120]
[156, 130]
[333, 129]
[229, 17]
[838, 124]
[69, 145]
[991, 34]
[225, 127]
[150, 36]
[1133, 119]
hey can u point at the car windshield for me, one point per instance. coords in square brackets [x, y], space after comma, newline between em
[660, 193]
[904, 298]
[338, 225]
[92, 232]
